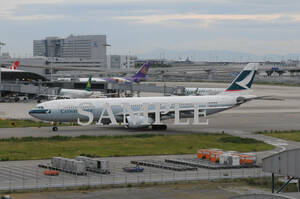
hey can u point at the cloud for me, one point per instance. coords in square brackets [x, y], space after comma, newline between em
[272, 25]
[207, 17]
[12, 10]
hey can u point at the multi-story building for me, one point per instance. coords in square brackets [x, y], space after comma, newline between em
[121, 61]
[84, 47]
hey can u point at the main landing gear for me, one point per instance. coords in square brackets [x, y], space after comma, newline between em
[54, 128]
[159, 127]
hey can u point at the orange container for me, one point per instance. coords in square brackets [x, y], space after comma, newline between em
[247, 159]
[209, 152]
[215, 156]
[200, 153]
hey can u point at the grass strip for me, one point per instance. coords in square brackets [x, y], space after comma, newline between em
[286, 135]
[31, 148]
[10, 123]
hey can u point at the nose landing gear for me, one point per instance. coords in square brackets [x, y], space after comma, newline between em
[54, 128]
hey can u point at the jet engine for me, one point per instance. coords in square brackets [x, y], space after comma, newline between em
[139, 122]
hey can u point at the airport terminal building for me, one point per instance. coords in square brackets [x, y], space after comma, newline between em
[83, 47]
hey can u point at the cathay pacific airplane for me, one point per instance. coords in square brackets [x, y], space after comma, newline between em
[215, 91]
[147, 111]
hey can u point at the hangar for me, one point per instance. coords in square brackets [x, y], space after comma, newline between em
[286, 163]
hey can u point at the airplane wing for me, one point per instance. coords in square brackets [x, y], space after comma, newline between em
[245, 98]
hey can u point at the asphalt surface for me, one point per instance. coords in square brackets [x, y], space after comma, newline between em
[166, 192]
[17, 175]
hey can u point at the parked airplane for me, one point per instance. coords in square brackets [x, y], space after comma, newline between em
[140, 75]
[141, 112]
[137, 77]
[75, 93]
[245, 75]
[15, 65]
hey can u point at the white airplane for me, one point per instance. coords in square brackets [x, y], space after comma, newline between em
[75, 93]
[144, 111]
[247, 77]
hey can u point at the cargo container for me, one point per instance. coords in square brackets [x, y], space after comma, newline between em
[234, 160]
[78, 166]
[208, 153]
[224, 158]
[247, 159]
[89, 162]
[215, 156]
[55, 162]
[68, 165]
[94, 164]
[201, 153]
[104, 164]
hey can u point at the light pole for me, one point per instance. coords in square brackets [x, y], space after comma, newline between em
[0, 83]
[1, 44]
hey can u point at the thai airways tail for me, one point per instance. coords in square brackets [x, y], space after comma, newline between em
[243, 81]
[89, 84]
[15, 65]
[142, 72]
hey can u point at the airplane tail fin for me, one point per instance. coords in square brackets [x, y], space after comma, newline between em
[142, 72]
[89, 84]
[15, 65]
[243, 81]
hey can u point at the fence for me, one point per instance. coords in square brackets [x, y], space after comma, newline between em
[14, 176]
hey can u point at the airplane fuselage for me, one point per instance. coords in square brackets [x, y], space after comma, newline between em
[75, 93]
[203, 91]
[67, 110]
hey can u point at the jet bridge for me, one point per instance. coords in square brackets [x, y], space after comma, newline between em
[28, 89]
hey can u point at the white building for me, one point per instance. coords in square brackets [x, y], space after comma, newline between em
[120, 61]
[83, 47]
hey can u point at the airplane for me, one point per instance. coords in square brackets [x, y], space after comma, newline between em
[140, 75]
[15, 65]
[137, 77]
[142, 111]
[74, 93]
[247, 76]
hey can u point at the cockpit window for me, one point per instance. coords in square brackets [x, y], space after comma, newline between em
[40, 107]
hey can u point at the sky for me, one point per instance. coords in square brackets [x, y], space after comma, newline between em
[140, 26]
